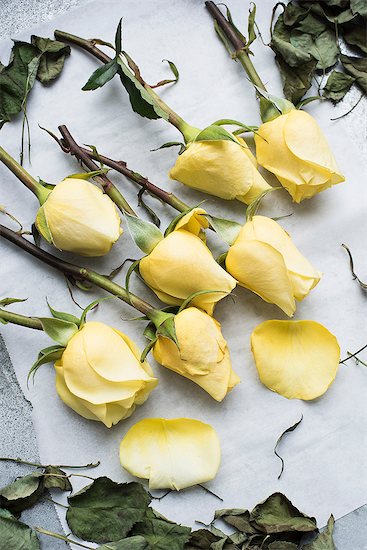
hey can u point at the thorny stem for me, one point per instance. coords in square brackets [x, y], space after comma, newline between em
[188, 132]
[120, 166]
[69, 145]
[18, 170]
[17, 319]
[37, 465]
[83, 274]
[61, 537]
[239, 46]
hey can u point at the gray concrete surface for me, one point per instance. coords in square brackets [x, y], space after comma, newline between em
[17, 433]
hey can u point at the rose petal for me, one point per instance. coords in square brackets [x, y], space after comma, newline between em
[172, 454]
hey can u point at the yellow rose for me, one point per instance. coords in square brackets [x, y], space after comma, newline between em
[182, 264]
[220, 168]
[172, 454]
[293, 148]
[297, 359]
[100, 376]
[264, 259]
[202, 356]
[80, 218]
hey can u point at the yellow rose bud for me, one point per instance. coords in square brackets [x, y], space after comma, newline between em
[181, 264]
[172, 454]
[100, 376]
[80, 218]
[297, 359]
[220, 168]
[203, 354]
[264, 259]
[293, 148]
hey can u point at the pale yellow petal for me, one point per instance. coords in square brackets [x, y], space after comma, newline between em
[78, 405]
[171, 454]
[182, 264]
[81, 218]
[297, 359]
[194, 222]
[261, 268]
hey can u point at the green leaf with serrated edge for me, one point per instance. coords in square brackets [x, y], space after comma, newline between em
[54, 478]
[251, 26]
[226, 229]
[88, 175]
[355, 33]
[52, 59]
[106, 511]
[7, 301]
[277, 514]
[141, 101]
[146, 235]
[118, 38]
[236, 517]
[59, 330]
[101, 76]
[296, 80]
[192, 296]
[253, 207]
[357, 68]
[42, 225]
[337, 85]
[321, 43]
[91, 306]
[62, 315]
[281, 44]
[324, 540]
[45, 357]
[160, 532]
[23, 493]
[16, 535]
[168, 330]
[131, 543]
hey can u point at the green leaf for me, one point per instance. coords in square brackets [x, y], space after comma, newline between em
[318, 40]
[146, 235]
[355, 33]
[59, 330]
[47, 355]
[23, 493]
[324, 540]
[251, 26]
[296, 80]
[357, 68]
[15, 535]
[64, 316]
[281, 44]
[7, 301]
[278, 515]
[175, 72]
[161, 533]
[53, 55]
[118, 38]
[226, 229]
[130, 543]
[54, 478]
[359, 7]
[106, 511]
[204, 539]
[141, 101]
[337, 85]
[101, 76]
[236, 517]
[282, 545]
[288, 430]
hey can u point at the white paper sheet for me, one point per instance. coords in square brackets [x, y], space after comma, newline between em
[326, 459]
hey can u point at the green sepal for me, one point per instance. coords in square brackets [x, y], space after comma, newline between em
[308, 100]
[226, 229]
[42, 225]
[271, 106]
[91, 306]
[59, 330]
[168, 330]
[147, 349]
[134, 267]
[62, 315]
[145, 234]
[221, 260]
[150, 331]
[215, 133]
[88, 175]
[175, 72]
[242, 128]
[7, 301]
[46, 355]
[147, 208]
[192, 296]
[179, 144]
[253, 207]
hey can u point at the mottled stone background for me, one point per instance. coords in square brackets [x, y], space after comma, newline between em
[17, 435]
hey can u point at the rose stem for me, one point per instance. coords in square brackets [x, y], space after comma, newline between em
[83, 274]
[69, 145]
[120, 166]
[188, 132]
[21, 461]
[23, 320]
[61, 537]
[18, 170]
[238, 44]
